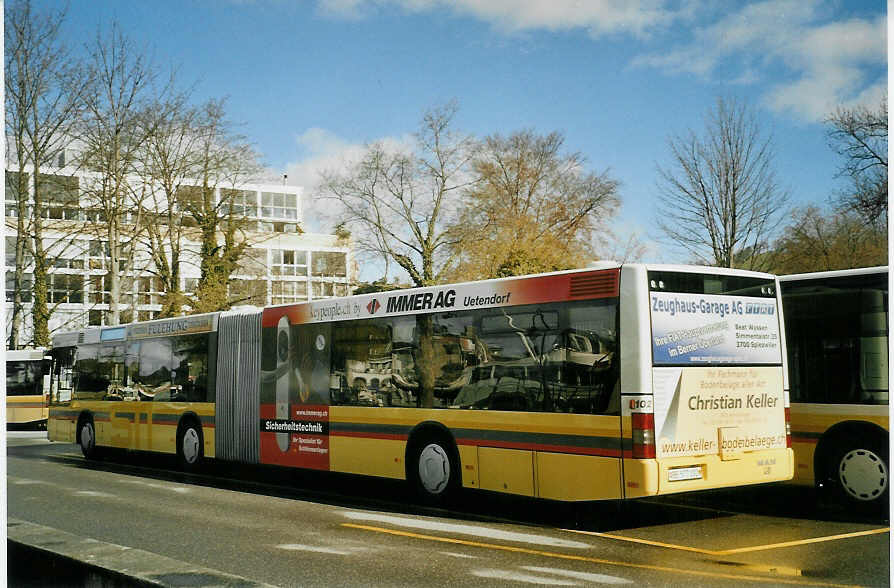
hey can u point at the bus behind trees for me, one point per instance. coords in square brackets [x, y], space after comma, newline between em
[837, 333]
[614, 382]
[27, 386]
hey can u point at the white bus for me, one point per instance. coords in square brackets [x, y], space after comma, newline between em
[615, 382]
[27, 385]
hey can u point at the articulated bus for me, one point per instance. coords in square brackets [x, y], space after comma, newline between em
[617, 381]
[837, 332]
[27, 384]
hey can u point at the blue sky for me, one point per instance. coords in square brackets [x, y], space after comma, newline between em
[312, 81]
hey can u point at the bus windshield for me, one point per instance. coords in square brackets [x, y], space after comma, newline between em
[701, 319]
[24, 378]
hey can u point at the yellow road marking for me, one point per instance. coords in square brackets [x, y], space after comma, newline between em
[644, 541]
[587, 559]
[805, 541]
[737, 550]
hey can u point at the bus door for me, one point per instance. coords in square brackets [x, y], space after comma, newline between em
[60, 393]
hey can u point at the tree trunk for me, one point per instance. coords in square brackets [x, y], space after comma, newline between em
[40, 312]
[18, 311]
[114, 275]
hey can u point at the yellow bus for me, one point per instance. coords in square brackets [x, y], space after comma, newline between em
[27, 382]
[836, 327]
[617, 381]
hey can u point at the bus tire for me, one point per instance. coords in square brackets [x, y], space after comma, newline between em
[433, 469]
[190, 444]
[87, 437]
[859, 472]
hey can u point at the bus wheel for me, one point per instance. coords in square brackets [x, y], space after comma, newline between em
[433, 470]
[87, 438]
[861, 473]
[190, 445]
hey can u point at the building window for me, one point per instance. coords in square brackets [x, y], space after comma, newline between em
[60, 197]
[239, 202]
[95, 318]
[149, 290]
[68, 254]
[190, 285]
[99, 290]
[65, 288]
[289, 292]
[286, 262]
[25, 289]
[276, 205]
[285, 227]
[329, 264]
[13, 181]
[329, 289]
[11, 253]
[98, 252]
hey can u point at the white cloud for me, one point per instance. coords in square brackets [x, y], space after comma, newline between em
[597, 17]
[825, 64]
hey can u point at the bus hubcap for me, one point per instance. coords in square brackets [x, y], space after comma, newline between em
[87, 436]
[434, 468]
[863, 474]
[190, 445]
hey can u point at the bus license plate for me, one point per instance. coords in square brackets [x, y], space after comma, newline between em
[680, 474]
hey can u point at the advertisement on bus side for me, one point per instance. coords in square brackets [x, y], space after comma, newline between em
[692, 329]
[493, 294]
[294, 395]
[722, 410]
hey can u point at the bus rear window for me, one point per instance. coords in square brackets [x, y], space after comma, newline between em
[701, 319]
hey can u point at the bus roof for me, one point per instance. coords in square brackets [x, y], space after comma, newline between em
[860, 271]
[26, 354]
[206, 322]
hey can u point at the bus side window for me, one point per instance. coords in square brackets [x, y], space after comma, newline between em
[152, 372]
[190, 367]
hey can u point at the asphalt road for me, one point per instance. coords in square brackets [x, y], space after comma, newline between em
[291, 528]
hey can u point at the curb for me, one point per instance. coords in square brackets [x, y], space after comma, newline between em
[39, 555]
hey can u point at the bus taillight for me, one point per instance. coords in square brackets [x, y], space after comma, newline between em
[643, 435]
[788, 427]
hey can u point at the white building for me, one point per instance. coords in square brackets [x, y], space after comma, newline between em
[282, 265]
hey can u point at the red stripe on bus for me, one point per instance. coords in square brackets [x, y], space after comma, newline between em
[810, 440]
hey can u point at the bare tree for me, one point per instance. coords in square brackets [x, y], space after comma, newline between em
[398, 205]
[43, 86]
[860, 135]
[169, 164]
[113, 133]
[719, 198]
[531, 208]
